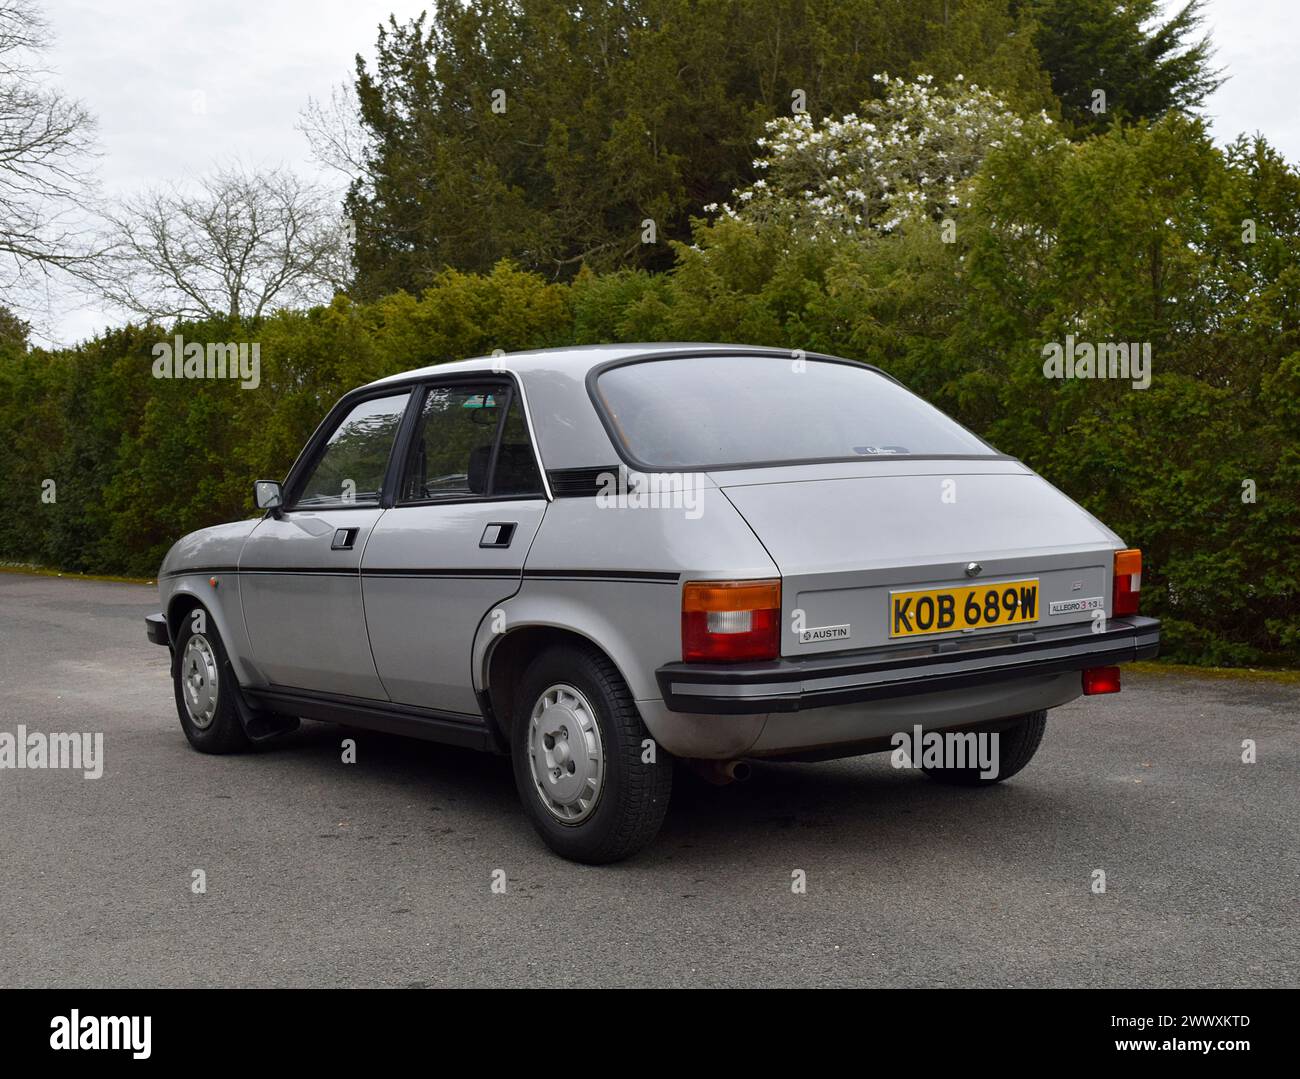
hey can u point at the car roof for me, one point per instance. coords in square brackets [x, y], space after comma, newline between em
[574, 360]
[566, 428]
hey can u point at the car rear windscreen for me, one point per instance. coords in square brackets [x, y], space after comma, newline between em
[737, 411]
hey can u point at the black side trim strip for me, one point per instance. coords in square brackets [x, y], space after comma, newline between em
[429, 724]
[294, 571]
[604, 575]
[643, 575]
[493, 574]
[199, 569]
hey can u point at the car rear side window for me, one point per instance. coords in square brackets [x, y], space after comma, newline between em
[738, 411]
[460, 429]
[350, 469]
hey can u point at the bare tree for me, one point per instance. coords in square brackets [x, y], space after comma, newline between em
[334, 130]
[237, 243]
[46, 145]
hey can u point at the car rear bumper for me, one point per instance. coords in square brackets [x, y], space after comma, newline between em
[793, 685]
[155, 628]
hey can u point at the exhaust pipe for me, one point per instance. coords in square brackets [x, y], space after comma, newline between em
[721, 773]
[739, 771]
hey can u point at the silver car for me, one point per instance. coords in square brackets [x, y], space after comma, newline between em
[604, 561]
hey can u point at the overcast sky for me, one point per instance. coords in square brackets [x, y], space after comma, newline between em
[181, 86]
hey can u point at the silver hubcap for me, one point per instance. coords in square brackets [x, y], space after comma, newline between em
[565, 754]
[199, 681]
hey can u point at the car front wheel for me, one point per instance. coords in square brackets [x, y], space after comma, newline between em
[204, 701]
[591, 779]
[1016, 746]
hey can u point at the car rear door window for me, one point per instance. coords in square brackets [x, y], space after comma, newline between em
[463, 432]
[516, 472]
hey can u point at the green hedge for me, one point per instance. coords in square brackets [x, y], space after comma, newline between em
[1134, 236]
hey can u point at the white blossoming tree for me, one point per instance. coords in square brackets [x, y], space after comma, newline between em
[910, 155]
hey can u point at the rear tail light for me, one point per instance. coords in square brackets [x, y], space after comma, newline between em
[731, 620]
[1100, 680]
[1128, 582]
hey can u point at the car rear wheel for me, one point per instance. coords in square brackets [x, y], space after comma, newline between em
[579, 750]
[1016, 746]
[205, 703]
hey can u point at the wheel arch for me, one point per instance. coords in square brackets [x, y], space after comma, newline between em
[189, 594]
[508, 656]
[179, 608]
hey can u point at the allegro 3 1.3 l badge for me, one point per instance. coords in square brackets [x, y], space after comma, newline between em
[1075, 606]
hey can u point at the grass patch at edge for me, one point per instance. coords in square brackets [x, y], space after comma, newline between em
[47, 571]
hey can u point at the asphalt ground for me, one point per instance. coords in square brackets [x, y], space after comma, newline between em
[380, 873]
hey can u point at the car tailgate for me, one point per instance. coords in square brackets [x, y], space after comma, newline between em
[848, 540]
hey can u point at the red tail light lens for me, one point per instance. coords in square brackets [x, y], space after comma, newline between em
[1128, 581]
[731, 620]
[1100, 680]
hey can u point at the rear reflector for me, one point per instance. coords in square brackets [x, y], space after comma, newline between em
[1128, 582]
[1100, 680]
[731, 620]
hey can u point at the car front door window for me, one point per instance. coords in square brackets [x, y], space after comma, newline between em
[351, 467]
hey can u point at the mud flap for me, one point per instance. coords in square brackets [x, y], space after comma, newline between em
[259, 724]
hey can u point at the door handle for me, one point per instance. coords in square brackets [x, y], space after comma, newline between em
[498, 534]
[344, 538]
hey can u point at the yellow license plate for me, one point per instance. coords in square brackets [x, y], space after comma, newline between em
[942, 610]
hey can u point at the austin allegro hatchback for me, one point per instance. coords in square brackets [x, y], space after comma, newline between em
[602, 560]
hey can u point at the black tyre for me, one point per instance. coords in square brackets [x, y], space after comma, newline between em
[579, 748]
[204, 701]
[1016, 746]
